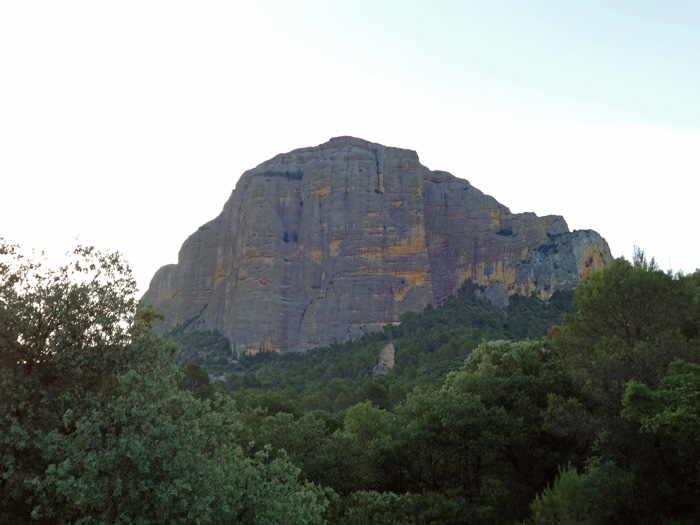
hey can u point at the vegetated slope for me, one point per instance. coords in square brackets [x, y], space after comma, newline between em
[427, 346]
[595, 423]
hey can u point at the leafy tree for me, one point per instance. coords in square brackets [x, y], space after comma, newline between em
[380, 508]
[479, 438]
[631, 320]
[673, 408]
[93, 428]
[589, 498]
[669, 417]
[529, 318]
[366, 422]
[195, 380]
[65, 338]
[565, 502]
[512, 382]
[208, 349]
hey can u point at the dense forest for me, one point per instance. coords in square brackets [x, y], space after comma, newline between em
[581, 409]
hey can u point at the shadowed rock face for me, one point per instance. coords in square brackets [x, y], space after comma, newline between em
[326, 243]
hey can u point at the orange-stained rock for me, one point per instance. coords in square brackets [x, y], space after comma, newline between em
[330, 242]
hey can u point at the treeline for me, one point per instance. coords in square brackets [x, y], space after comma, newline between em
[484, 418]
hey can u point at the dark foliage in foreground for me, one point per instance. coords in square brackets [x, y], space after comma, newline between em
[93, 427]
[595, 423]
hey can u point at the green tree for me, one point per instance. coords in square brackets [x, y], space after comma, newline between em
[65, 338]
[565, 502]
[195, 380]
[589, 498]
[673, 408]
[380, 508]
[632, 321]
[669, 417]
[479, 439]
[93, 427]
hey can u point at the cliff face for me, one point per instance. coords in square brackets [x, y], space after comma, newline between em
[330, 242]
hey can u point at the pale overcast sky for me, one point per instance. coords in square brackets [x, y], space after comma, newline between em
[127, 124]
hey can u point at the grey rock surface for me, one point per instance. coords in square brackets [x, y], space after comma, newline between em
[327, 243]
[497, 295]
[386, 361]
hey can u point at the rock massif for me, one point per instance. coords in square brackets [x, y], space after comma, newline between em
[326, 243]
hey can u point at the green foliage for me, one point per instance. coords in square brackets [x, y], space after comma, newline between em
[93, 427]
[632, 405]
[379, 508]
[428, 346]
[669, 417]
[595, 496]
[208, 349]
[196, 381]
[54, 323]
[528, 318]
[480, 437]
[634, 302]
[673, 408]
[374, 451]
[632, 320]
[367, 422]
[565, 502]
[595, 423]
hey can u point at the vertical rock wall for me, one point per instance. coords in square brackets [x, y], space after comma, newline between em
[326, 243]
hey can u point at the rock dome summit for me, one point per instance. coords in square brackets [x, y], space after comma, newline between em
[327, 243]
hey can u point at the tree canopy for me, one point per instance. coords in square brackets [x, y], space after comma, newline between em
[93, 427]
[484, 418]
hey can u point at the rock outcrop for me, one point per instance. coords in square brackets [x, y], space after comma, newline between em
[326, 243]
[386, 361]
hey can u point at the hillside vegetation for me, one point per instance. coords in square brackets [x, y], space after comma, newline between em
[428, 346]
[522, 416]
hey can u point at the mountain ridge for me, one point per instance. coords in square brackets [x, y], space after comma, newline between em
[329, 242]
